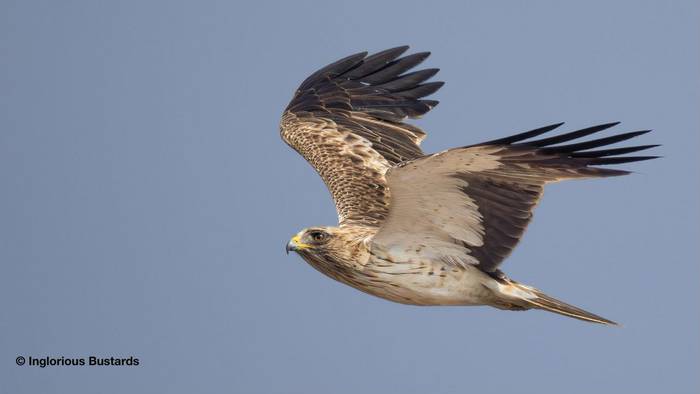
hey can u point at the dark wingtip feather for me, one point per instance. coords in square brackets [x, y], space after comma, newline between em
[593, 143]
[409, 81]
[400, 49]
[336, 68]
[571, 135]
[613, 152]
[395, 68]
[422, 90]
[522, 136]
[375, 62]
[619, 160]
[430, 103]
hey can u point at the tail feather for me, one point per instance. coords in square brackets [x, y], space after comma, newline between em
[530, 297]
[548, 303]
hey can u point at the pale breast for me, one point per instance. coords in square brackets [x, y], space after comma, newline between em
[424, 282]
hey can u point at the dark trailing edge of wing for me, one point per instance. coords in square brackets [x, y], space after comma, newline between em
[578, 153]
[376, 85]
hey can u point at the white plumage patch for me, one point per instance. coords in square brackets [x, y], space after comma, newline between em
[429, 213]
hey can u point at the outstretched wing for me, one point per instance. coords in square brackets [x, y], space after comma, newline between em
[471, 205]
[347, 121]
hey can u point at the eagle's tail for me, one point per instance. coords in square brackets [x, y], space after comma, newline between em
[516, 296]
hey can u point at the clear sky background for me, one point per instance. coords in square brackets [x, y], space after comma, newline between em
[147, 198]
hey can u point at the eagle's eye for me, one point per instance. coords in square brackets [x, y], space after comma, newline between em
[318, 236]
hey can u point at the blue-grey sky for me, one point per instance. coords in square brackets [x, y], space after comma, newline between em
[146, 198]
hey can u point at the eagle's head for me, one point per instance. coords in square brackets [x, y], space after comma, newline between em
[312, 241]
[332, 250]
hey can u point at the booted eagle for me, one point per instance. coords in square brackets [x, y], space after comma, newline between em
[427, 229]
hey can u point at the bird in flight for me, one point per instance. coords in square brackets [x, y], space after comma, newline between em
[427, 229]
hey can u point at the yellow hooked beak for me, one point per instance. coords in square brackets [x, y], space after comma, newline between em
[295, 244]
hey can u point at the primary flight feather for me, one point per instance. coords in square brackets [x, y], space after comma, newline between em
[426, 229]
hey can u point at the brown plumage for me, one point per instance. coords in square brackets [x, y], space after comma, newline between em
[426, 229]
